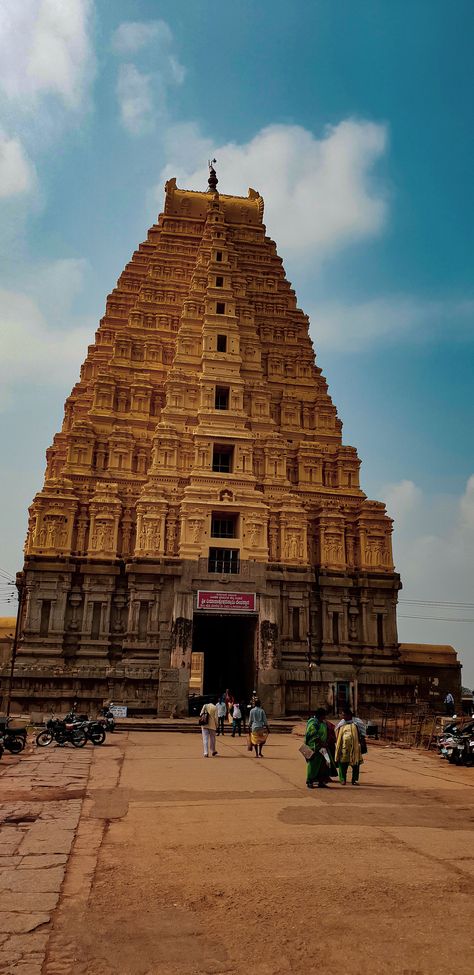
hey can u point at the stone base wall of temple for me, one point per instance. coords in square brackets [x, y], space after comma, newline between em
[127, 632]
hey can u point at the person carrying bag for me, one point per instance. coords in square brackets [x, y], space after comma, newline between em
[208, 724]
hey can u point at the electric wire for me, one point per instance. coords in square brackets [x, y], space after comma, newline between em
[434, 619]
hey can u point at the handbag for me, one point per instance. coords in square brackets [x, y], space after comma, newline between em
[204, 718]
[362, 742]
[306, 752]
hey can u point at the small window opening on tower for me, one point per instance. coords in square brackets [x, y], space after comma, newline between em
[218, 256]
[380, 634]
[219, 281]
[45, 617]
[224, 560]
[222, 343]
[220, 307]
[143, 620]
[222, 398]
[222, 457]
[296, 623]
[223, 526]
[335, 627]
[96, 615]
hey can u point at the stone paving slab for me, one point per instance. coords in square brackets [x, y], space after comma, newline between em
[43, 792]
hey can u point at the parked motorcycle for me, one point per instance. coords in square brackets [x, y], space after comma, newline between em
[108, 715]
[94, 729]
[463, 751]
[456, 743]
[61, 732]
[13, 739]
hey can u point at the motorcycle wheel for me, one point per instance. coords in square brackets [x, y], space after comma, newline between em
[44, 738]
[78, 738]
[97, 737]
[14, 745]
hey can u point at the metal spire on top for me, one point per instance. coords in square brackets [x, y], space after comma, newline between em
[212, 181]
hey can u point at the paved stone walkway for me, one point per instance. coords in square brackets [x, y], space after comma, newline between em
[41, 792]
[103, 854]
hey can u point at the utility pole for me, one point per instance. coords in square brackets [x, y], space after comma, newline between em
[310, 673]
[20, 587]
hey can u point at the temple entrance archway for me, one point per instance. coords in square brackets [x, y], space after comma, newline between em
[227, 645]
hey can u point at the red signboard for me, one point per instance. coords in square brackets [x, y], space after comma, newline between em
[227, 602]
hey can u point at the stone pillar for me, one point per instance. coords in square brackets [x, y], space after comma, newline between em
[182, 642]
[270, 682]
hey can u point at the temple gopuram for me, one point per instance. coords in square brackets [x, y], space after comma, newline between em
[201, 524]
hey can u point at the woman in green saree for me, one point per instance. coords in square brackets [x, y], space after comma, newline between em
[316, 738]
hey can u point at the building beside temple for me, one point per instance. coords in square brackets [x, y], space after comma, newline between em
[201, 524]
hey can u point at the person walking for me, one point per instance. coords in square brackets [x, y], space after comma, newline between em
[348, 750]
[449, 704]
[316, 738]
[221, 707]
[236, 720]
[229, 703]
[208, 722]
[258, 728]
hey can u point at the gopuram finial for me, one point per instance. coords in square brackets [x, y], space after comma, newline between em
[213, 181]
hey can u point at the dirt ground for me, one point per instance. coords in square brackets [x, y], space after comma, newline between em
[186, 866]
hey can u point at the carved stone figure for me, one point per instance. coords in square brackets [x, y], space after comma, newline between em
[253, 530]
[196, 526]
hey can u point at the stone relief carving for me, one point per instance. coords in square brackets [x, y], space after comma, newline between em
[376, 551]
[273, 539]
[102, 535]
[171, 537]
[196, 526]
[333, 547]
[294, 545]
[253, 533]
[53, 531]
[268, 645]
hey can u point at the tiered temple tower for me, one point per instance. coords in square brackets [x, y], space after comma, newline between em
[201, 522]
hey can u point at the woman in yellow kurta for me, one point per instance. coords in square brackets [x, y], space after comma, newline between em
[348, 751]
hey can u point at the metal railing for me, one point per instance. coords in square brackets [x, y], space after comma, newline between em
[416, 727]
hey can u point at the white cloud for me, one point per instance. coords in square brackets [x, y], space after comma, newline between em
[467, 506]
[35, 344]
[320, 193]
[392, 319]
[402, 499]
[433, 542]
[45, 49]
[55, 285]
[142, 95]
[17, 173]
[135, 95]
[131, 36]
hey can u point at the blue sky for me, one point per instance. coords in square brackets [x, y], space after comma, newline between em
[354, 122]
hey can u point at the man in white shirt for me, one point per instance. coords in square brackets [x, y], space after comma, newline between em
[236, 720]
[221, 708]
[209, 729]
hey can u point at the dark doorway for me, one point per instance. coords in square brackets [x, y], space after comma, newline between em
[343, 696]
[227, 643]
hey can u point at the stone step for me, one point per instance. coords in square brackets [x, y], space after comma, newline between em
[187, 725]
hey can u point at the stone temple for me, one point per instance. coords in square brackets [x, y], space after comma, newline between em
[201, 524]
